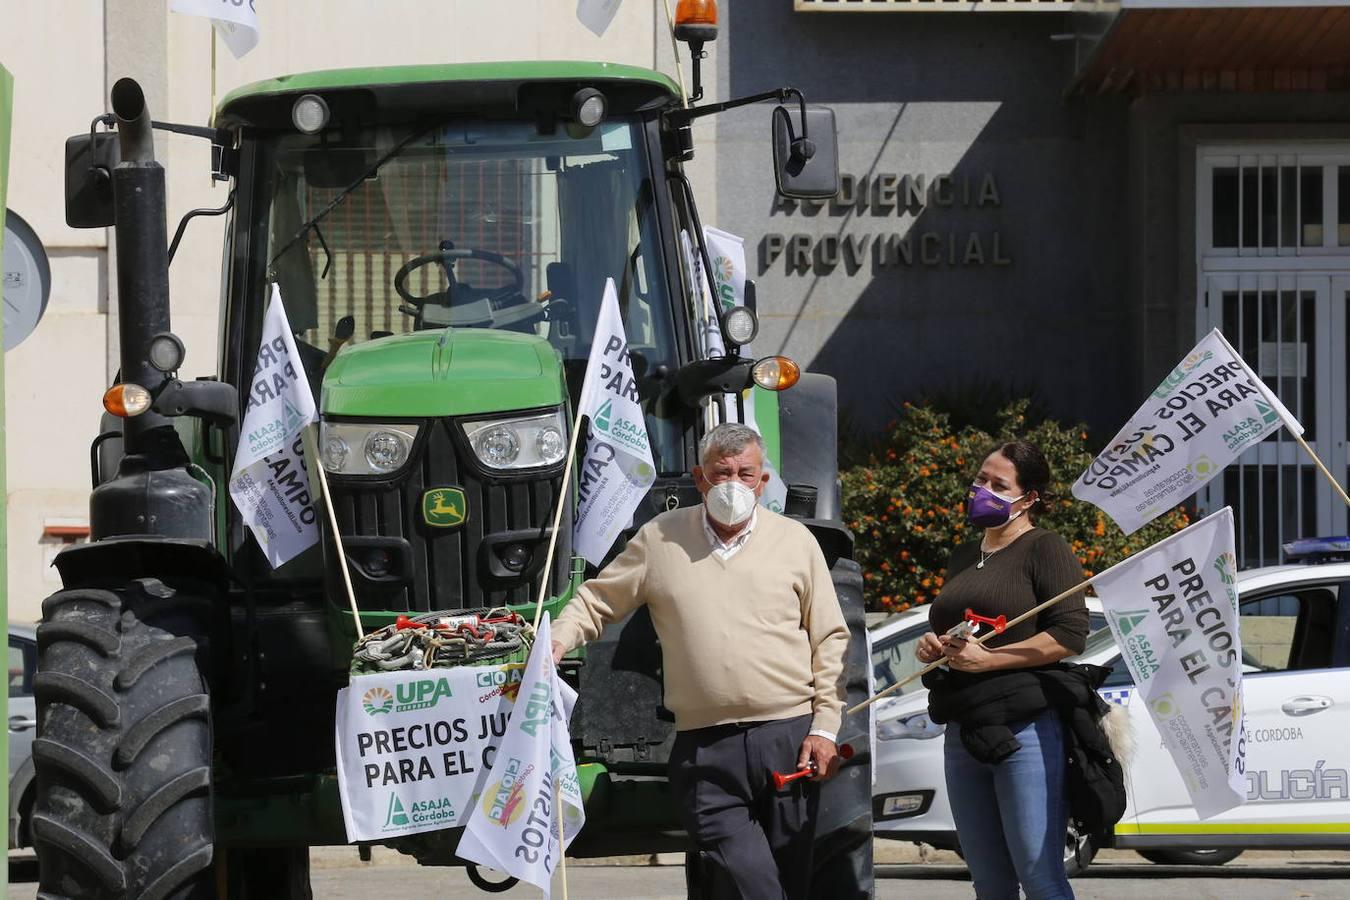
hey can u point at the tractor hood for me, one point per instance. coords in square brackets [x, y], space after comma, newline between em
[454, 372]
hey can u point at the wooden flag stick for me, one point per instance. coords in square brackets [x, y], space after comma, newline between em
[557, 519]
[312, 448]
[1322, 466]
[562, 847]
[1011, 622]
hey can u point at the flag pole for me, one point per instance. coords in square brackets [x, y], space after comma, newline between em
[1321, 466]
[675, 48]
[557, 519]
[313, 450]
[562, 847]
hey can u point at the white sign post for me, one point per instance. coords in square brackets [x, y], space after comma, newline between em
[270, 482]
[618, 469]
[1210, 409]
[1173, 610]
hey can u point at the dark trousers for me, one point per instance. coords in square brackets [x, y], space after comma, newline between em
[754, 842]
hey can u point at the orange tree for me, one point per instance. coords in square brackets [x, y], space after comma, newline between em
[905, 501]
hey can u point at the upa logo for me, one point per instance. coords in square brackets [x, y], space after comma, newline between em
[421, 694]
[445, 507]
[1188, 365]
[502, 799]
[377, 700]
[723, 272]
[397, 816]
[1226, 565]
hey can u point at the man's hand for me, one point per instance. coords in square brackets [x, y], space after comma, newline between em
[558, 651]
[967, 656]
[823, 753]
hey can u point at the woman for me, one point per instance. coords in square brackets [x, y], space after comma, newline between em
[1015, 769]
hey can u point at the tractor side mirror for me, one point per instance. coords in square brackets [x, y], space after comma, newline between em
[90, 160]
[805, 159]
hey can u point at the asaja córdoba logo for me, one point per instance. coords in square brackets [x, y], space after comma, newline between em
[377, 700]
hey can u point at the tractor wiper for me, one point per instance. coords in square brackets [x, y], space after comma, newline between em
[312, 223]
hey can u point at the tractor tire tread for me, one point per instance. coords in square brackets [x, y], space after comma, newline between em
[83, 847]
[53, 604]
[143, 732]
[95, 782]
[164, 798]
[148, 657]
[90, 699]
[179, 874]
[106, 643]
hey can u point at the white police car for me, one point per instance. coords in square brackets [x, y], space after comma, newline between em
[1296, 645]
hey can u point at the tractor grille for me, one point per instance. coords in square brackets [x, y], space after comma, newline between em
[433, 568]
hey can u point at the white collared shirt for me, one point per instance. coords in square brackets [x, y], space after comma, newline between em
[725, 550]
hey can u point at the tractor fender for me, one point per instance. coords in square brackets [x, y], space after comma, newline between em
[142, 556]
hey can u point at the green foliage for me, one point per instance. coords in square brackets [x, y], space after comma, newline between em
[906, 501]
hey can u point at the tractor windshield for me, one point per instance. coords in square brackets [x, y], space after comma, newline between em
[480, 224]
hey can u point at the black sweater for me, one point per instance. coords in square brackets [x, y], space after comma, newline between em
[1032, 569]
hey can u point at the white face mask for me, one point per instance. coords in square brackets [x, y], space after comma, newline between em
[730, 503]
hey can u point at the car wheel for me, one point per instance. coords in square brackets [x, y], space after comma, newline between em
[1214, 857]
[1078, 851]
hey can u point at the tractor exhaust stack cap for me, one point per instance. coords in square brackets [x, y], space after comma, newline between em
[133, 122]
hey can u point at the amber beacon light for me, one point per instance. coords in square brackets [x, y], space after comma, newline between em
[696, 20]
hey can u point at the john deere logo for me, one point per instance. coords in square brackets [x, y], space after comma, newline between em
[444, 507]
[397, 816]
[377, 700]
[602, 416]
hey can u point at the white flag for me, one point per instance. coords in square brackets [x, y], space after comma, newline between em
[1201, 418]
[235, 20]
[597, 14]
[618, 469]
[1173, 609]
[270, 481]
[727, 252]
[513, 825]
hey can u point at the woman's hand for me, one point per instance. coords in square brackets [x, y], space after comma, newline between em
[967, 656]
[929, 648]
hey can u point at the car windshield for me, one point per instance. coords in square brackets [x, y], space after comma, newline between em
[479, 224]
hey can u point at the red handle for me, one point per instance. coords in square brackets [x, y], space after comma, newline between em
[999, 624]
[779, 779]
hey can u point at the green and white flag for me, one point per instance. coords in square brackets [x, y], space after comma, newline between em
[618, 469]
[1173, 609]
[513, 825]
[1210, 409]
[270, 481]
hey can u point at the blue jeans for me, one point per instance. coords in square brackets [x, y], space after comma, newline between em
[1011, 816]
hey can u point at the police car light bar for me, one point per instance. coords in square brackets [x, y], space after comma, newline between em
[1318, 549]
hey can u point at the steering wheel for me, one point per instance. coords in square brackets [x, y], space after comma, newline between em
[463, 304]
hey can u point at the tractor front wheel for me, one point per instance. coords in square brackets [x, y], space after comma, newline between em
[123, 753]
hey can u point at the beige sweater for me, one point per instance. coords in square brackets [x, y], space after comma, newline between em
[755, 637]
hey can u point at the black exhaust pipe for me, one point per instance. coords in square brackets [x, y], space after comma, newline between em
[153, 493]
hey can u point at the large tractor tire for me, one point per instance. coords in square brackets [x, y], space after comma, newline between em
[123, 753]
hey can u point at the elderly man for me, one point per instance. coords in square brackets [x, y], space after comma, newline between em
[753, 645]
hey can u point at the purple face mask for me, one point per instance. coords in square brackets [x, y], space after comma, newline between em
[985, 509]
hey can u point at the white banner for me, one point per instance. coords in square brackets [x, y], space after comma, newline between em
[1201, 418]
[618, 469]
[1173, 611]
[235, 20]
[513, 826]
[597, 15]
[414, 748]
[270, 481]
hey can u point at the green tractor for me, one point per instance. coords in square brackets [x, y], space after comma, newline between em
[440, 235]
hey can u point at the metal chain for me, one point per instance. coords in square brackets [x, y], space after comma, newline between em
[443, 639]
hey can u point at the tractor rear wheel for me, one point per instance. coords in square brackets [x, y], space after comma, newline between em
[123, 753]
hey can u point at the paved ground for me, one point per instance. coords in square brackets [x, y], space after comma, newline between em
[338, 875]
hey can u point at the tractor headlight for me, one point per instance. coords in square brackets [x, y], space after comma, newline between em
[351, 448]
[531, 442]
